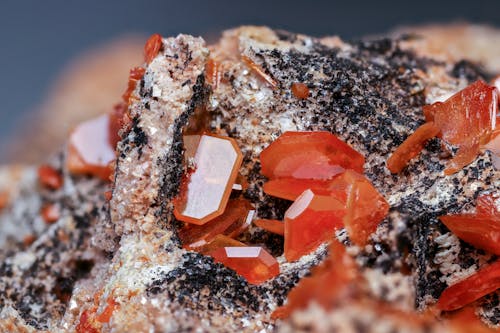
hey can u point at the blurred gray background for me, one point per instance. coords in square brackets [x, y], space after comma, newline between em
[38, 38]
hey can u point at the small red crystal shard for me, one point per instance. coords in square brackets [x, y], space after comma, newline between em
[235, 214]
[216, 243]
[481, 283]
[135, 75]
[365, 206]
[87, 323]
[212, 73]
[89, 148]
[326, 283]
[300, 90]
[411, 147]
[466, 120]
[50, 213]
[217, 162]
[310, 221]
[49, 177]
[259, 71]
[254, 263]
[118, 120]
[107, 313]
[152, 47]
[309, 155]
[274, 226]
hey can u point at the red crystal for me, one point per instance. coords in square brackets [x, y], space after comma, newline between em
[481, 283]
[89, 148]
[259, 71]
[309, 155]
[487, 204]
[325, 285]
[365, 206]
[300, 90]
[235, 214]
[217, 161]
[254, 263]
[107, 313]
[87, 323]
[152, 47]
[274, 226]
[118, 120]
[241, 224]
[411, 147]
[311, 220]
[50, 213]
[216, 243]
[49, 177]
[466, 120]
[291, 188]
[481, 229]
[212, 73]
[135, 75]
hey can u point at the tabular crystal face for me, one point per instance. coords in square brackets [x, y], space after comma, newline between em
[253, 263]
[89, 148]
[309, 155]
[217, 161]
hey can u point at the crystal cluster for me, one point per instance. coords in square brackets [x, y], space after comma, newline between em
[322, 175]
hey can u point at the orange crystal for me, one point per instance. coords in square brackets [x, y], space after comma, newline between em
[89, 148]
[212, 73]
[487, 204]
[50, 213]
[216, 243]
[310, 221]
[241, 224]
[87, 323]
[118, 120]
[152, 47]
[309, 155]
[467, 120]
[300, 90]
[49, 177]
[365, 206]
[481, 283]
[259, 71]
[292, 188]
[217, 162]
[253, 263]
[327, 282]
[274, 226]
[107, 313]
[411, 147]
[236, 213]
[135, 75]
[481, 229]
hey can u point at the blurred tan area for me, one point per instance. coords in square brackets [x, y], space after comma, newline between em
[89, 85]
[457, 41]
[94, 82]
